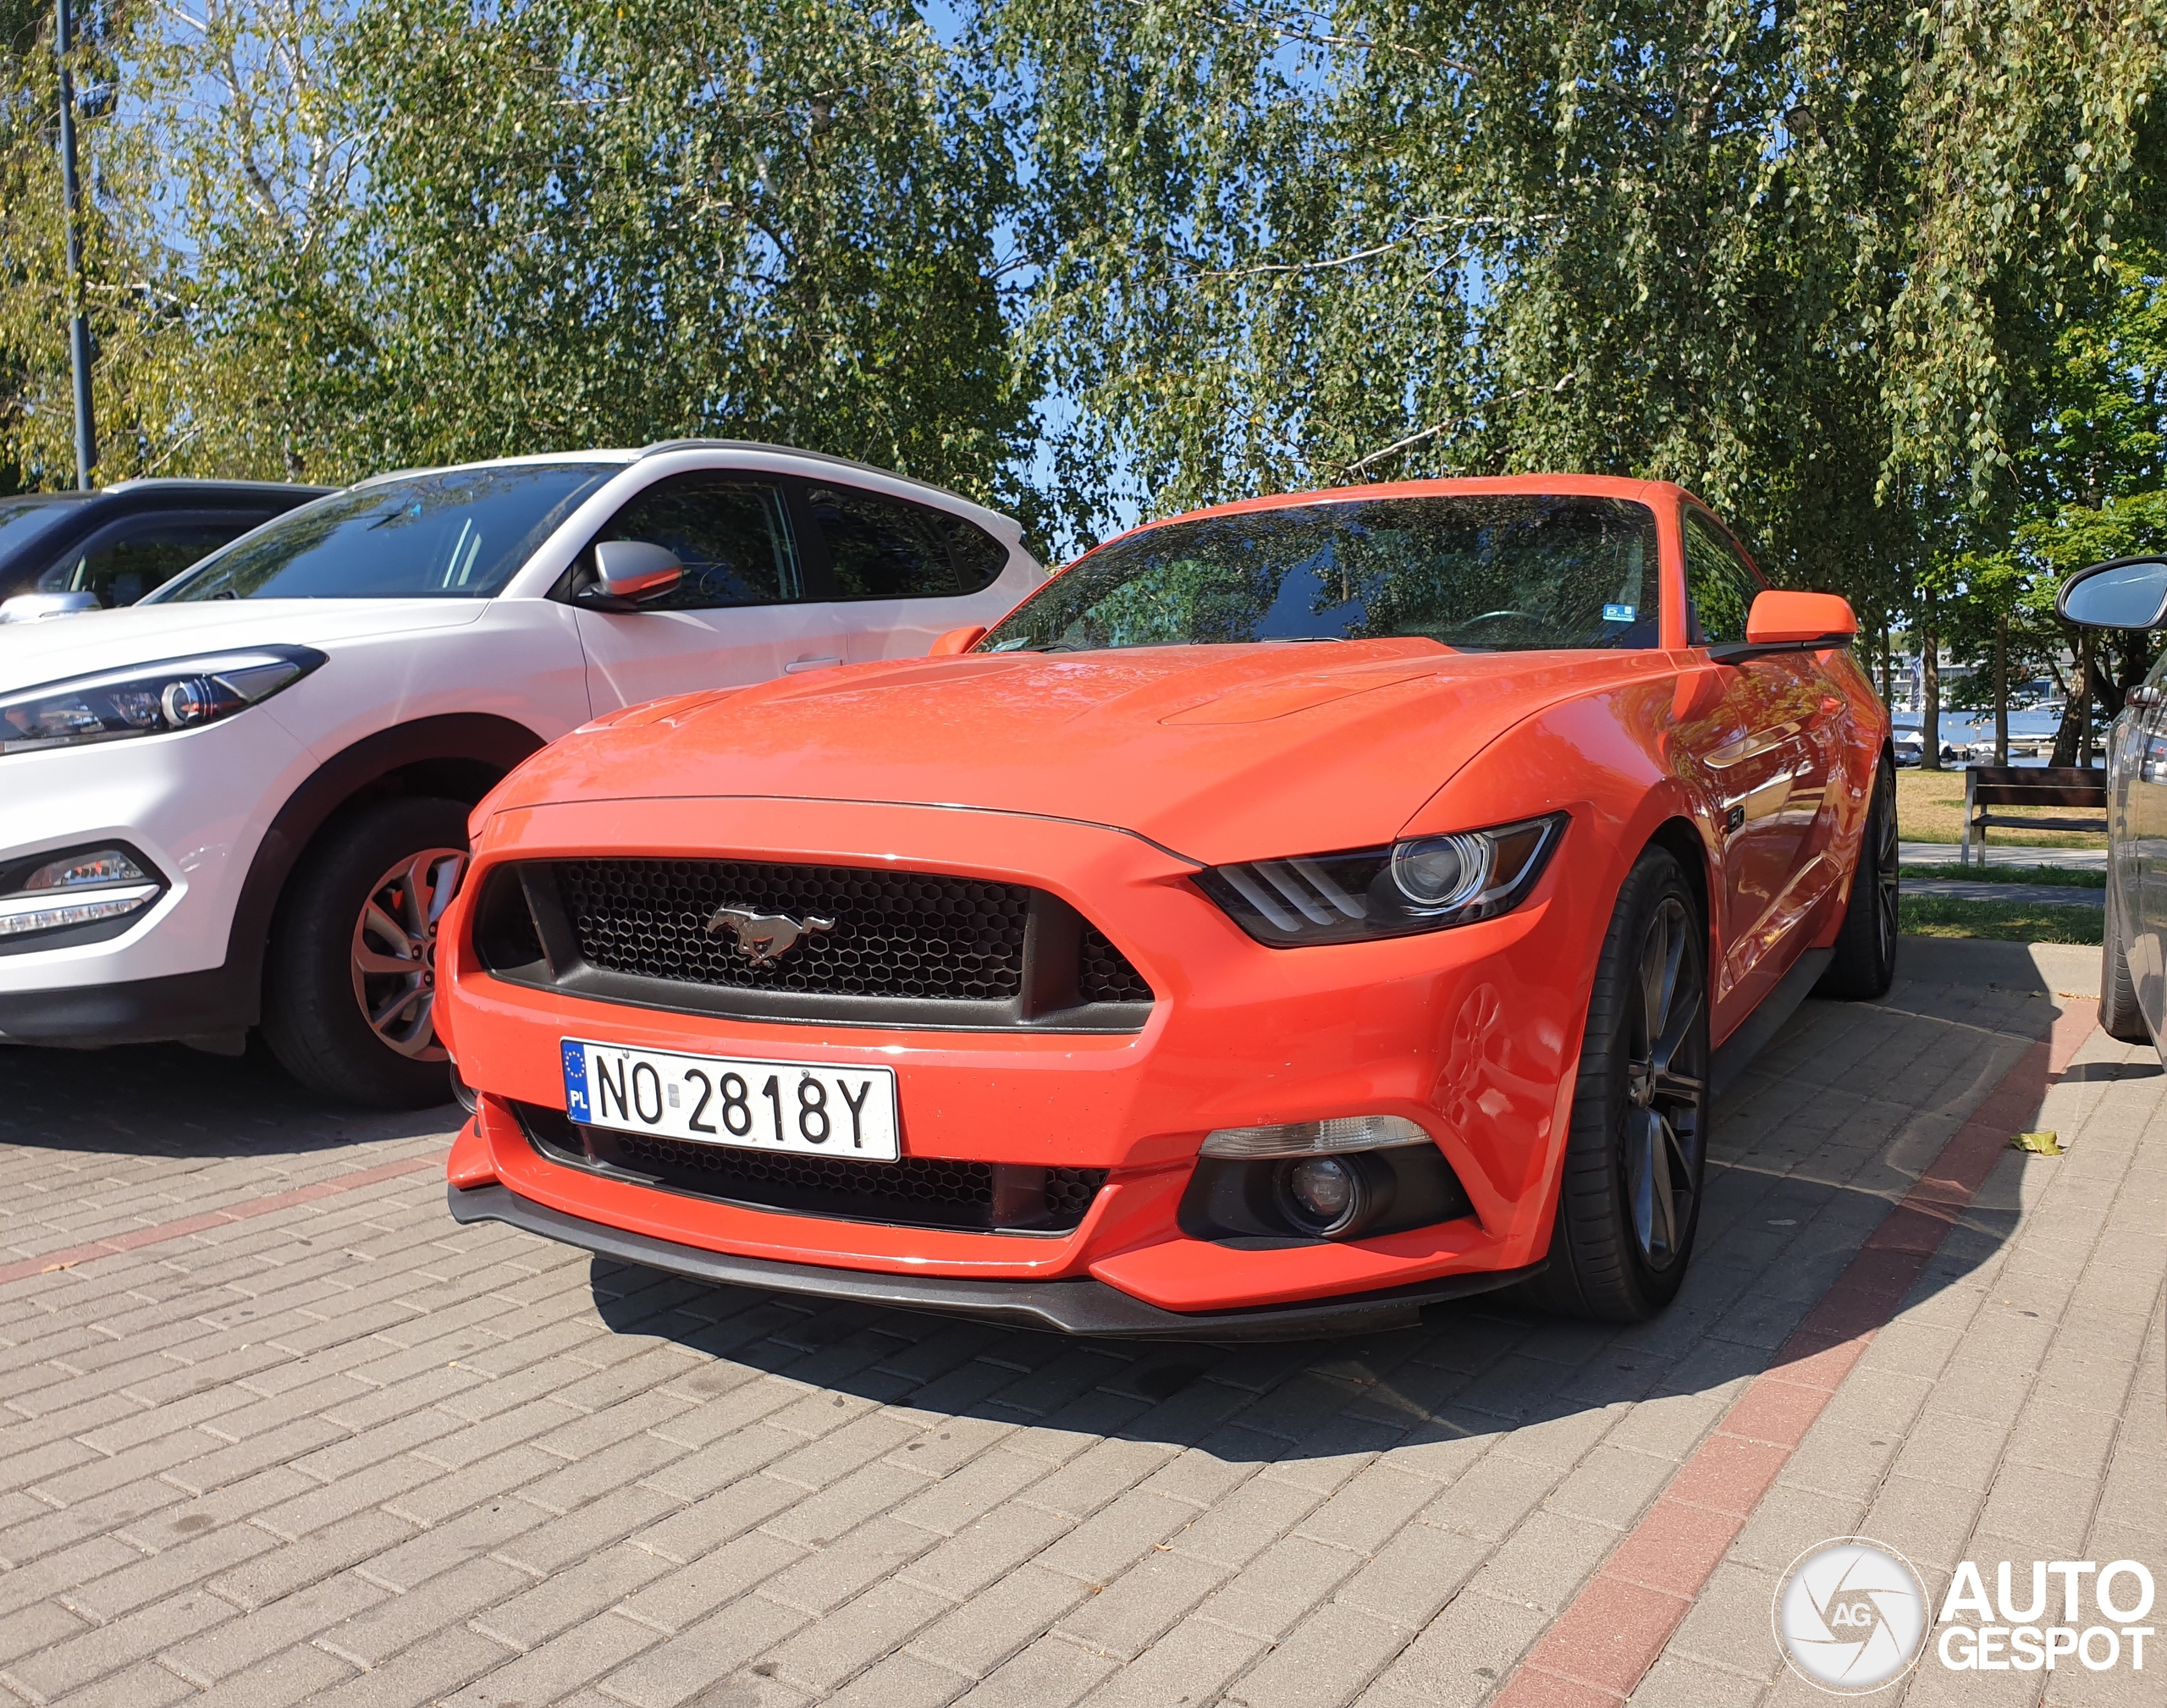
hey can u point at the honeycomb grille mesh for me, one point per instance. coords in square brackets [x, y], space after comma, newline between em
[894, 934]
[1104, 973]
[916, 1192]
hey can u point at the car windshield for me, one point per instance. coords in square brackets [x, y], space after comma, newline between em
[458, 533]
[1492, 572]
[20, 519]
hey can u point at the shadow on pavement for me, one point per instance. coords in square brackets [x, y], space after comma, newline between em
[167, 1100]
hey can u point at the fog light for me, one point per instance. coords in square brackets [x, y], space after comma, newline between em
[1333, 1197]
[77, 889]
[1324, 1188]
[1315, 1138]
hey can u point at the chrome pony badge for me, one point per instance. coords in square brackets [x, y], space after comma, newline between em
[764, 938]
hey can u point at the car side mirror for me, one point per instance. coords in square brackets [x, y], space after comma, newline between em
[634, 570]
[955, 640]
[28, 608]
[1782, 619]
[2121, 593]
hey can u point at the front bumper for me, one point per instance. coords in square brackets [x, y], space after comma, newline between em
[1471, 1032]
[1079, 1306]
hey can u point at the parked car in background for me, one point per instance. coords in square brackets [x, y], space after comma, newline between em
[2131, 593]
[243, 800]
[1290, 914]
[68, 552]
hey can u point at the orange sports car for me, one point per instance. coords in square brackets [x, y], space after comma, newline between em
[1290, 915]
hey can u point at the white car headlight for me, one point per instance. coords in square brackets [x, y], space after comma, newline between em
[156, 699]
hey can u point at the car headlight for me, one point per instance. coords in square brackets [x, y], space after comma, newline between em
[149, 699]
[1425, 883]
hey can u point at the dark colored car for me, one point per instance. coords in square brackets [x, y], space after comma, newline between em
[117, 543]
[2131, 593]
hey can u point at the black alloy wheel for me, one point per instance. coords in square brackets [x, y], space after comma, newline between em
[1864, 964]
[1637, 1151]
[1666, 1090]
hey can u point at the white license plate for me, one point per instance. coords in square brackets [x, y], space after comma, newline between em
[847, 1112]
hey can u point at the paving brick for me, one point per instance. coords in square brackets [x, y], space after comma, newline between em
[1196, 1659]
[828, 1651]
[688, 1594]
[1130, 1614]
[974, 1638]
[702, 1654]
[1324, 1663]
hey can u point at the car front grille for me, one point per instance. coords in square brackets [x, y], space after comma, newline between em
[916, 1192]
[835, 943]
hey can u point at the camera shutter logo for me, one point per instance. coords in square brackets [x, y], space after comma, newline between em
[1850, 1616]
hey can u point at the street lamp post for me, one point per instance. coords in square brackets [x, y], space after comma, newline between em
[79, 327]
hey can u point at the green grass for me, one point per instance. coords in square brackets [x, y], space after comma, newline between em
[2005, 922]
[2049, 876]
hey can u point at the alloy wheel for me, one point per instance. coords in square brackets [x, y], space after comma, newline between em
[1885, 872]
[1666, 1089]
[394, 950]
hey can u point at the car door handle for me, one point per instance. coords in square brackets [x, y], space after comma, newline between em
[796, 664]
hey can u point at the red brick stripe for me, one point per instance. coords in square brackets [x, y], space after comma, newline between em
[136, 1238]
[1602, 1646]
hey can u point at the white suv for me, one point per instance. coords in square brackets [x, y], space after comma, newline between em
[243, 801]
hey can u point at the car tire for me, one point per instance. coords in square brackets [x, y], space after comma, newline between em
[1636, 1151]
[2119, 1016]
[350, 980]
[1864, 965]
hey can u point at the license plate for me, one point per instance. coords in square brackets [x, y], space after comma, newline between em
[847, 1112]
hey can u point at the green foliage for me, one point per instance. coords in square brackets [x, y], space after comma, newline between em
[1849, 270]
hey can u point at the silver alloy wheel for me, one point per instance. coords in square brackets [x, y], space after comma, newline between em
[1665, 1089]
[394, 950]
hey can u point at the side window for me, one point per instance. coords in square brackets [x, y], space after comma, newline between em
[123, 563]
[889, 549]
[731, 534]
[1719, 587]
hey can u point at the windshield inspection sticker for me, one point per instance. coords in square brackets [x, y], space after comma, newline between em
[1618, 613]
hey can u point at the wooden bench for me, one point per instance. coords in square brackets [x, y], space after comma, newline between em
[1988, 787]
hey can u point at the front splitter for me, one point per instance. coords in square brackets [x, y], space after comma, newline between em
[1081, 1307]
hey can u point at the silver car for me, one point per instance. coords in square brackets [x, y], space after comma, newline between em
[2131, 593]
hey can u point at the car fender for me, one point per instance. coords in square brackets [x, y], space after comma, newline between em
[482, 740]
[1602, 757]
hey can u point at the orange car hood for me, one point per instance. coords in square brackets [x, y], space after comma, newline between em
[1216, 752]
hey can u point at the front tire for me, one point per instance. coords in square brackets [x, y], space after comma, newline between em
[2119, 1016]
[349, 983]
[1864, 965]
[1637, 1149]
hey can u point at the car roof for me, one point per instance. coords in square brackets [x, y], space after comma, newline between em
[662, 447]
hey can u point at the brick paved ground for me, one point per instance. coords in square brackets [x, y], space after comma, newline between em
[346, 1452]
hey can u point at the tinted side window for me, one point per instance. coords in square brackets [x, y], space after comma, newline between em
[881, 547]
[732, 535]
[122, 565]
[1719, 587]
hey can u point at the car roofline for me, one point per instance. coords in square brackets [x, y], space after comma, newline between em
[136, 483]
[664, 446]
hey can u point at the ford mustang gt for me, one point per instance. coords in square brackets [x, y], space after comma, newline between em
[1290, 915]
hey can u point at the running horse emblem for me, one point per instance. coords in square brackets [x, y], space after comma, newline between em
[764, 938]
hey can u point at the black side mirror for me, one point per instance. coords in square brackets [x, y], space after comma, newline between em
[2121, 593]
